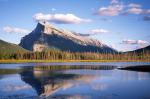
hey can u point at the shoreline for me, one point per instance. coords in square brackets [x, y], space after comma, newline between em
[49, 61]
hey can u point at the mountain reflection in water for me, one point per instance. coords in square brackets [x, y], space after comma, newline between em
[48, 79]
[76, 82]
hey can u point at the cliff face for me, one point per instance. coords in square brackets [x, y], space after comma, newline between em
[48, 36]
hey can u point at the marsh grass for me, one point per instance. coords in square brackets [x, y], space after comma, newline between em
[9, 71]
[9, 61]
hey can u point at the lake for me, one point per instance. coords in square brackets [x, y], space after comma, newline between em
[73, 80]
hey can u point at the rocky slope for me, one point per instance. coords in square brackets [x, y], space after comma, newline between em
[47, 36]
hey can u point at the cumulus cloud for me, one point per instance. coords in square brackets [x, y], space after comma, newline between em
[135, 11]
[118, 8]
[98, 31]
[146, 11]
[112, 10]
[132, 42]
[138, 11]
[60, 18]
[134, 5]
[93, 32]
[114, 1]
[9, 29]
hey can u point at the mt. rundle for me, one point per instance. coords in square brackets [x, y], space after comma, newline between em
[46, 36]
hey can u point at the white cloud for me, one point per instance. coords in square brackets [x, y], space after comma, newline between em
[97, 31]
[93, 32]
[60, 18]
[127, 41]
[118, 8]
[114, 1]
[135, 11]
[146, 11]
[134, 5]
[112, 10]
[9, 29]
[139, 42]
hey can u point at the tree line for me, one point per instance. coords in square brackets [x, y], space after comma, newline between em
[61, 55]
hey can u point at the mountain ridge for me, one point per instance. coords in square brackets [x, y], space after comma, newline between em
[8, 48]
[46, 35]
[141, 50]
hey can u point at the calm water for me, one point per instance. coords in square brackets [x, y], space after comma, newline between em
[73, 81]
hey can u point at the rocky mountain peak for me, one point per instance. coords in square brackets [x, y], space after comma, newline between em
[51, 37]
[42, 26]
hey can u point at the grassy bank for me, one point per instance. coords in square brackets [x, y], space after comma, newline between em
[39, 61]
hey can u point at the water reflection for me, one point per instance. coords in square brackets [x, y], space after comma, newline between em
[46, 82]
[74, 82]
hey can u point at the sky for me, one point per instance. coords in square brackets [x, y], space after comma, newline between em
[121, 24]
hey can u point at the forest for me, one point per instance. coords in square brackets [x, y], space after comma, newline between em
[62, 55]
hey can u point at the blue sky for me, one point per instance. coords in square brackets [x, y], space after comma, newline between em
[122, 24]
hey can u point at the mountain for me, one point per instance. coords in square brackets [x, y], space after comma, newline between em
[142, 49]
[6, 47]
[47, 36]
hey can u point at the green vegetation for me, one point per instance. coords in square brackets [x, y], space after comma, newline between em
[59, 56]
[9, 71]
[11, 53]
[7, 49]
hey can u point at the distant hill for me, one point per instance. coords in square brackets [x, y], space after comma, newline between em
[9, 48]
[142, 49]
[48, 36]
